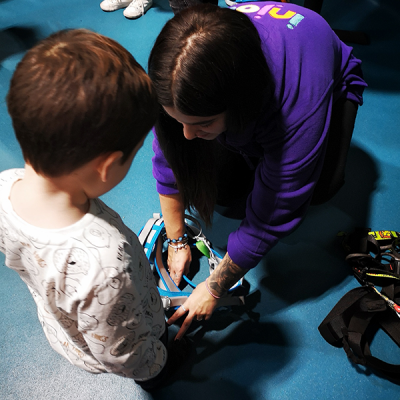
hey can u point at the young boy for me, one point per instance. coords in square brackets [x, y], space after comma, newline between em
[81, 107]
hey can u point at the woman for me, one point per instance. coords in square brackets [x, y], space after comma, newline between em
[257, 103]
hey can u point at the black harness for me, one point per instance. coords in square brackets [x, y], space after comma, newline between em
[375, 260]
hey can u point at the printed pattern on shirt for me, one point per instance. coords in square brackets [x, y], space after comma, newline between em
[95, 292]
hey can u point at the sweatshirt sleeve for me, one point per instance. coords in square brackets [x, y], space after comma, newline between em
[284, 183]
[162, 172]
[311, 68]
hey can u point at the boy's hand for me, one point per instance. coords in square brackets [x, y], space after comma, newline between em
[179, 263]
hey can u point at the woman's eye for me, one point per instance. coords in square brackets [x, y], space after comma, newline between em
[205, 126]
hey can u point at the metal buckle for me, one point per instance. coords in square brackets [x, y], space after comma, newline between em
[166, 301]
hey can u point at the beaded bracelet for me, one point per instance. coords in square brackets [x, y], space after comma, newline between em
[180, 239]
[209, 291]
[178, 246]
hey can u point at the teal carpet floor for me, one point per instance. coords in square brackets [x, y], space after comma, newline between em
[272, 350]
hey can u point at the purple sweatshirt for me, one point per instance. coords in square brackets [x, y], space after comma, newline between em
[311, 69]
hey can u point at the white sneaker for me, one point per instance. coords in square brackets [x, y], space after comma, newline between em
[112, 5]
[137, 8]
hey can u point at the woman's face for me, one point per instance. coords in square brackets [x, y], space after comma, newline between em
[207, 128]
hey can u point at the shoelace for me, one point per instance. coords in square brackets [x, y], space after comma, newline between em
[136, 3]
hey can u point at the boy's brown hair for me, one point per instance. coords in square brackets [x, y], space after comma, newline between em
[77, 95]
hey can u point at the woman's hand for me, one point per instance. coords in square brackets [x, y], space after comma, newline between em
[204, 300]
[179, 263]
[200, 305]
[174, 219]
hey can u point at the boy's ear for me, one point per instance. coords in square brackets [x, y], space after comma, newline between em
[106, 163]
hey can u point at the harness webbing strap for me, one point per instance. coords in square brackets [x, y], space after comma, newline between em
[165, 283]
[332, 326]
[353, 322]
[389, 323]
[151, 239]
[347, 325]
[353, 343]
[175, 301]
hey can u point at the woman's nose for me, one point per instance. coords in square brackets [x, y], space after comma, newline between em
[189, 131]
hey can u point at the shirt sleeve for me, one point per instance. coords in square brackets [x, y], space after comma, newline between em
[162, 172]
[284, 183]
[122, 320]
[351, 85]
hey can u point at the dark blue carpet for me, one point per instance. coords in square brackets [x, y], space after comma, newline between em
[272, 350]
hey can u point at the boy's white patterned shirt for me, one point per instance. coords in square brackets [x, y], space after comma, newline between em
[92, 283]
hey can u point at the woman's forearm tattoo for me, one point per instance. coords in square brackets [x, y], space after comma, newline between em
[225, 276]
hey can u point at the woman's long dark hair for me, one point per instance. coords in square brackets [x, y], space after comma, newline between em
[207, 60]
